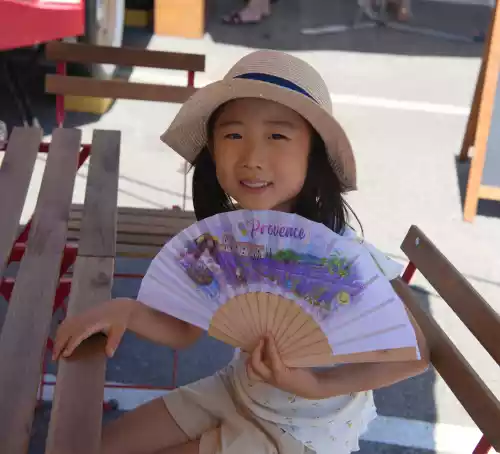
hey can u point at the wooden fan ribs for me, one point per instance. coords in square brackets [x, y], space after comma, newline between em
[232, 322]
[253, 306]
[300, 323]
[281, 311]
[244, 319]
[273, 305]
[262, 300]
[309, 334]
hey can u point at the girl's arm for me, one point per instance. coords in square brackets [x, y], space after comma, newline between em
[116, 316]
[367, 376]
[161, 328]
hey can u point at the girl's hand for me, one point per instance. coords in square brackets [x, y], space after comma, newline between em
[265, 364]
[110, 318]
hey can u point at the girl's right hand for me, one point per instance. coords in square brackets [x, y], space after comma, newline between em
[111, 318]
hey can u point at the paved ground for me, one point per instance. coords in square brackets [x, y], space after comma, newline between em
[403, 100]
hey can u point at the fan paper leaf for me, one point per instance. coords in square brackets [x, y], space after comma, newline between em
[245, 273]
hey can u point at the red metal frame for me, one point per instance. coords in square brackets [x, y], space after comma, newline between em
[191, 78]
[484, 446]
[60, 112]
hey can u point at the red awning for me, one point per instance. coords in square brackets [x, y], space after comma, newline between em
[28, 22]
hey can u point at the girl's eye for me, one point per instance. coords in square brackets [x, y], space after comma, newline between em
[278, 137]
[233, 136]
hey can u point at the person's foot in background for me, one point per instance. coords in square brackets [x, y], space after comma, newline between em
[399, 9]
[404, 13]
[252, 13]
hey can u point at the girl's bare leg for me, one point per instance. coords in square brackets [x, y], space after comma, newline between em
[149, 429]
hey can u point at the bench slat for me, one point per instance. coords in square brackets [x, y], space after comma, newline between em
[137, 251]
[141, 231]
[465, 383]
[76, 417]
[115, 89]
[162, 227]
[26, 327]
[15, 176]
[470, 307]
[125, 238]
[98, 226]
[123, 56]
[138, 213]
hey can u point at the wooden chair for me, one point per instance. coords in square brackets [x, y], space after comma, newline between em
[482, 321]
[75, 423]
[62, 84]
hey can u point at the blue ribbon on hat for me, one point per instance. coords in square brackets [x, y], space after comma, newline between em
[276, 80]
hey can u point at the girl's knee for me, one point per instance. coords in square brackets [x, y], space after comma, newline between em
[149, 429]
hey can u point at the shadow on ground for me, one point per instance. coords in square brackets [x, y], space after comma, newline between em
[282, 30]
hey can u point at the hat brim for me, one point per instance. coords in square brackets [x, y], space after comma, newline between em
[187, 134]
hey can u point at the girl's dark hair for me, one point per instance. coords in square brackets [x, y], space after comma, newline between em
[320, 200]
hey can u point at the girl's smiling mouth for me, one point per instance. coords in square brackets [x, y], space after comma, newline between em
[255, 185]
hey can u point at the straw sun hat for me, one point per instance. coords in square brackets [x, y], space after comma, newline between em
[275, 76]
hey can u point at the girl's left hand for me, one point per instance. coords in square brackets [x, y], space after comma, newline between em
[265, 364]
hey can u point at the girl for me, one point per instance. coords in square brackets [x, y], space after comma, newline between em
[262, 138]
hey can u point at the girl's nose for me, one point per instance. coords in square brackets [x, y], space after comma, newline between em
[254, 156]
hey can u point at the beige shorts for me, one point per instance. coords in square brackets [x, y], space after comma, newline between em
[208, 410]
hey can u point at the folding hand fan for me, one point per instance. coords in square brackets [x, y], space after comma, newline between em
[245, 273]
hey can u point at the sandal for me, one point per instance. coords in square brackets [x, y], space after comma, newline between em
[403, 14]
[399, 10]
[235, 19]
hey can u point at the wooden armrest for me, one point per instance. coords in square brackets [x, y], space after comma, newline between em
[466, 302]
[76, 417]
[477, 399]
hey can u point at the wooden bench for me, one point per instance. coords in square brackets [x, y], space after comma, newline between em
[61, 84]
[76, 415]
[481, 320]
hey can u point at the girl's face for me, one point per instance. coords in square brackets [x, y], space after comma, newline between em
[261, 151]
